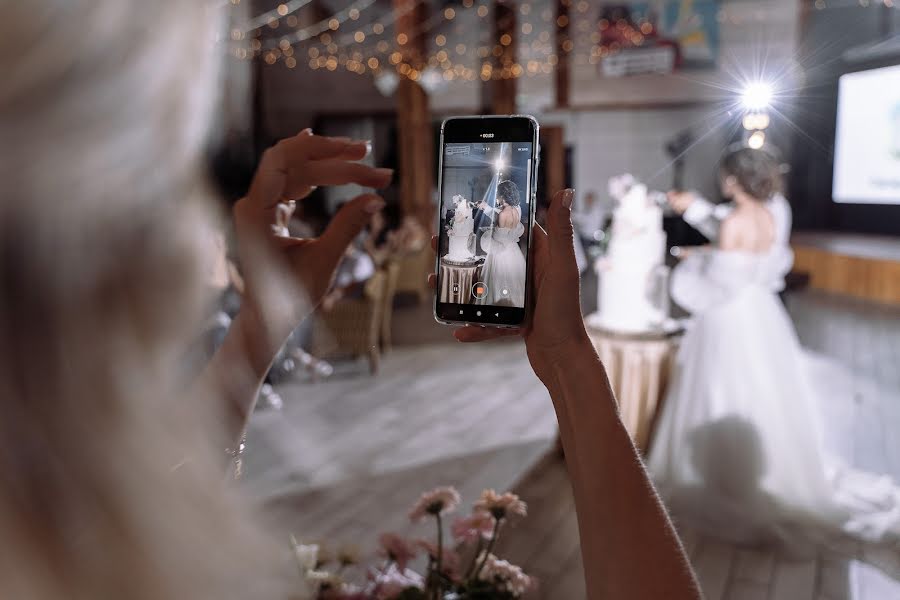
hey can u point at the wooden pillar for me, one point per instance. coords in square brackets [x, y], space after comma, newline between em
[415, 138]
[563, 50]
[503, 83]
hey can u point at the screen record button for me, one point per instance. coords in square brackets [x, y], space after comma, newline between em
[479, 290]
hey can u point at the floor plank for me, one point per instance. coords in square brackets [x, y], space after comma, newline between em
[754, 565]
[794, 580]
[713, 565]
[345, 458]
[748, 590]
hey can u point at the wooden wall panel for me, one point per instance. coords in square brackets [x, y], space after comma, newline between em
[867, 278]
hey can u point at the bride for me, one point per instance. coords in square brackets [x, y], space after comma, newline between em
[738, 448]
[504, 268]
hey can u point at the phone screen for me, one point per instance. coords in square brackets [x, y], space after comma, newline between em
[486, 214]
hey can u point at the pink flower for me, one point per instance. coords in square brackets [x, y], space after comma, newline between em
[507, 577]
[436, 502]
[397, 549]
[391, 582]
[450, 560]
[469, 529]
[500, 505]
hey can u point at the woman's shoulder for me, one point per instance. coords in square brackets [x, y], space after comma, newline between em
[508, 215]
[731, 231]
[747, 229]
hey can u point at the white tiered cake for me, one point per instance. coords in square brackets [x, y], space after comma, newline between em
[461, 236]
[629, 298]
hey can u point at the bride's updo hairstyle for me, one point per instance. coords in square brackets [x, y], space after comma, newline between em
[111, 468]
[509, 191]
[756, 171]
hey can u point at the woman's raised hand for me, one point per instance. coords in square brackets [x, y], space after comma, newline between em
[288, 172]
[555, 329]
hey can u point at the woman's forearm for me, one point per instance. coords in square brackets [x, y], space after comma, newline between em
[238, 368]
[629, 546]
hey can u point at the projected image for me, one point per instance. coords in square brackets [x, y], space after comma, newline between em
[484, 220]
[867, 144]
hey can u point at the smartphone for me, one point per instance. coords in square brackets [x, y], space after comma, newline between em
[488, 178]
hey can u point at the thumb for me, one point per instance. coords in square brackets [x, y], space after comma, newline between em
[349, 221]
[560, 231]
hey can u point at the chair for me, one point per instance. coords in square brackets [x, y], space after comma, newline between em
[392, 272]
[413, 270]
[354, 325]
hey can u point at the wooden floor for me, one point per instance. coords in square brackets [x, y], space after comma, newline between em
[865, 339]
[345, 458]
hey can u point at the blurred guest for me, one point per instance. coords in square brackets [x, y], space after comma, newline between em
[378, 240]
[354, 270]
[738, 447]
[411, 237]
[299, 225]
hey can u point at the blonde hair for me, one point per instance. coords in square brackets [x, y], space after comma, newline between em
[110, 483]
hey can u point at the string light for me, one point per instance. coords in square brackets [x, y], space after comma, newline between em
[334, 22]
[282, 10]
[537, 57]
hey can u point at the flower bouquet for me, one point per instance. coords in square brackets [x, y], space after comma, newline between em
[447, 576]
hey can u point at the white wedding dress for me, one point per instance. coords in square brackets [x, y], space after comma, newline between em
[738, 448]
[504, 268]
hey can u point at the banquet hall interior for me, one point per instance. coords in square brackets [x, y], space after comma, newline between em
[371, 401]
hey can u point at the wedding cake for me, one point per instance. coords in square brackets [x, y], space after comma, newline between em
[461, 232]
[632, 295]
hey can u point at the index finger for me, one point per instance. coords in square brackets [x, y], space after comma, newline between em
[308, 146]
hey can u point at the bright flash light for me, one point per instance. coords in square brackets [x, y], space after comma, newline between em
[498, 164]
[757, 96]
[757, 140]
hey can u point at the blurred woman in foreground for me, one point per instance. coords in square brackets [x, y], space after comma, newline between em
[111, 469]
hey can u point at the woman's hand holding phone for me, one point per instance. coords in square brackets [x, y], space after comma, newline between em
[554, 332]
[618, 531]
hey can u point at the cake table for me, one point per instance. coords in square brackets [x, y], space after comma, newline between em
[457, 279]
[638, 367]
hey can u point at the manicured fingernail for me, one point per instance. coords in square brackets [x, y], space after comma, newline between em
[385, 172]
[307, 131]
[368, 147]
[568, 198]
[374, 205]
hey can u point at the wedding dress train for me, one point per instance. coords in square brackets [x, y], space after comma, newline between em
[738, 448]
[504, 268]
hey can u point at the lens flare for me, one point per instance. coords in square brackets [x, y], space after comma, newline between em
[757, 140]
[757, 96]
